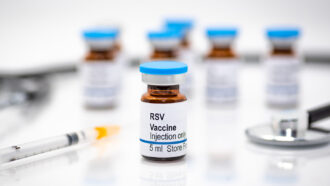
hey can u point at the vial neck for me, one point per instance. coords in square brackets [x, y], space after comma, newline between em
[101, 54]
[222, 47]
[168, 90]
[163, 54]
[98, 51]
[282, 47]
[282, 51]
[223, 51]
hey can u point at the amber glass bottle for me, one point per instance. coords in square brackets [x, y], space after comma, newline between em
[100, 70]
[165, 44]
[222, 66]
[282, 68]
[163, 111]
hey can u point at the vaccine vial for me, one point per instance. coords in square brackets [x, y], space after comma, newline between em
[163, 111]
[185, 52]
[165, 44]
[100, 69]
[222, 66]
[282, 68]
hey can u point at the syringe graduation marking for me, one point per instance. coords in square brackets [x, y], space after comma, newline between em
[73, 138]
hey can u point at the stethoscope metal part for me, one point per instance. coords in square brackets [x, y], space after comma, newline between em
[29, 86]
[24, 93]
[292, 130]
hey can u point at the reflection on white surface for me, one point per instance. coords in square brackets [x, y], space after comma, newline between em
[220, 170]
[101, 169]
[221, 131]
[32, 168]
[281, 171]
[163, 173]
[284, 165]
[221, 127]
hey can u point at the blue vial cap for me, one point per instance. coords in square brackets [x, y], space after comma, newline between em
[100, 33]
[221, 32]
[179, 23]
[163, 68]
[283, 32]
[165, 34]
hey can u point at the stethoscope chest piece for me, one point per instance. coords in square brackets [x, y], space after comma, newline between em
[292, 130]
[264, 134]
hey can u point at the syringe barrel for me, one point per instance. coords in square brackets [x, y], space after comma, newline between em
[17, 152]
[33, 148]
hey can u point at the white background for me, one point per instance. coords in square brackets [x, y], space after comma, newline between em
[45, 31]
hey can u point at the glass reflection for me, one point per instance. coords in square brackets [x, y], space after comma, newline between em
[221, 138]
[284, 166]
[101, 169]
[32, 168]
[163, 173]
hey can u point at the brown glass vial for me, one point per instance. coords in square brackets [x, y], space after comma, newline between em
[282, 68]
[222, 67]
[163, 99]
[163, 95]
[100, 70]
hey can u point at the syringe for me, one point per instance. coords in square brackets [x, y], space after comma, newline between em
[25, 150]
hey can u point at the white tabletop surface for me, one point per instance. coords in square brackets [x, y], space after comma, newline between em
[218, 154]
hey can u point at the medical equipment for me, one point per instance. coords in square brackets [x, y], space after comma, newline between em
[292, 129]
[17, 152]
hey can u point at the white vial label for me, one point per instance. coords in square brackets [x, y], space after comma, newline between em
[282, 80]
[222, 80]
[163, 129]
[100, 82]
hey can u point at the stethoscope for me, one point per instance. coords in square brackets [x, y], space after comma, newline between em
[292, 129]
[24, 93]
[29, 86]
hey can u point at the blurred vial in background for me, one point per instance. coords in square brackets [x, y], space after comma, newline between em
[100, 69]
[185, 52]
[282, 68]
[222, 66]
[165, 44]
